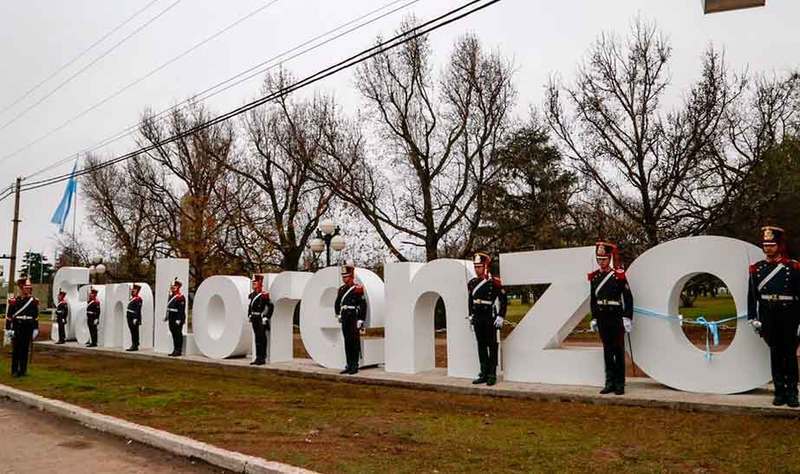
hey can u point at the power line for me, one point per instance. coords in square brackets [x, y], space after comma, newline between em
[354, 60]
[419, 30]
[258, 68]
[80, 55]
[87, 66]
[139, 80]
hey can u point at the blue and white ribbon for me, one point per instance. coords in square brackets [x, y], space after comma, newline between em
[712, 327]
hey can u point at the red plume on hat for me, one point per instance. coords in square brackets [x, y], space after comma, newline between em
[606, 249]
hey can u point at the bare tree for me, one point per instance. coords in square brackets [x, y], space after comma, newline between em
[756, 127]
[283, 205]
[422, 187]
[617, 132]
[185, 183]
[117, 210]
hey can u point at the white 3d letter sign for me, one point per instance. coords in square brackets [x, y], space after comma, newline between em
[533, 351]
[219, 317]
[660, 346]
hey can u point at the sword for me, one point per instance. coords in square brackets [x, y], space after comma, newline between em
[30, 357]
[633, 363]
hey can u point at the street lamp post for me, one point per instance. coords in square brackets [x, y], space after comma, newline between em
[328, 237]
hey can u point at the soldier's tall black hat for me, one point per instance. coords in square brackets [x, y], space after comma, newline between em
[347, 268]
[772, 235]
[606, 249]
[482, 258]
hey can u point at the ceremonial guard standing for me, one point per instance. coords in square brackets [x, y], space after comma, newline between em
[773, 310]
[612, 311]
[134, 317]
[487, 313]
[176, 316]
[351, 311]
[62, 312]
[93, 317]
[22, 321]
[260, 312]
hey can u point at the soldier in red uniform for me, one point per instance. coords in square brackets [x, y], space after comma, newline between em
[62, 315]
[487, 312]
[133, 315]
[773, 309]
[92, 317]
[260, 313]
[612, 312]
[351, 311]
[176, 317]
[22, 321]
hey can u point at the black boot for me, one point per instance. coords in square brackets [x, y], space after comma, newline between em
[780, 395]
[491, 380]
[609, 386]
[345, 371]
[791, 395]
[481, 379]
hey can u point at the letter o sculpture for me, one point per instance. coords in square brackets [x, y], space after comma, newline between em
[660, 346]
[219, 317]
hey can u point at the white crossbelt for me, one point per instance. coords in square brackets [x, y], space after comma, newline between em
[482, 302]
[771, 275]
[19, 311]
[602, 283]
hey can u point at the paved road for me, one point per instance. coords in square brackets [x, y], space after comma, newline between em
[32, 441]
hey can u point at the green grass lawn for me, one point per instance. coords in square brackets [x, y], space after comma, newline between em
[340, 427]
[711, 308]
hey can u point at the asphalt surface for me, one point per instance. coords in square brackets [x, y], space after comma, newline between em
[34, 441]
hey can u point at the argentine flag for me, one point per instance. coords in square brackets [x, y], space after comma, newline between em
[62, 211]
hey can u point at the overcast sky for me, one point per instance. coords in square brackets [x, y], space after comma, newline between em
[541, 36]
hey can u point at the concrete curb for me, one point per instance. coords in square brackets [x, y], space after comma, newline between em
[172, 443]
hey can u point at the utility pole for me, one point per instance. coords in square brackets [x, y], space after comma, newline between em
[14, 232]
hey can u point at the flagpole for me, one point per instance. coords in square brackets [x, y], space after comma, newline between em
[75, 214]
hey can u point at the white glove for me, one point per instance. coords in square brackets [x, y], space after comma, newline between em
[135, 322]
[593, 325]
[360, 324]
[498, 322]
[755, 324]
[680, 320]
[264, 321]
[10, 333]
[339, 317]
[627, 324]
[35, 333]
